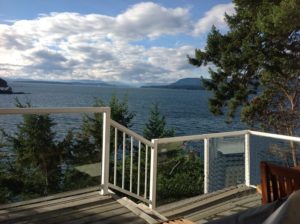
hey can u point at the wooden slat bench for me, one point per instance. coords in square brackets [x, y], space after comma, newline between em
[278, 182]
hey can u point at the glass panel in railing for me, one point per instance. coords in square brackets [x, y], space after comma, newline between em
[226, 162]
[179, 171]
[271, 150]
[43, 155]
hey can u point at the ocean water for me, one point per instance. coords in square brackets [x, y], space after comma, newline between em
[185, 110]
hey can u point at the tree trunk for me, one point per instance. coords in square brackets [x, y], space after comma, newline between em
[294, 153]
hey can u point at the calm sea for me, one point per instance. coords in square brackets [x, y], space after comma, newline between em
[185, 110]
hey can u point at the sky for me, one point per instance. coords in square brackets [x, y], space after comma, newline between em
[126, 41]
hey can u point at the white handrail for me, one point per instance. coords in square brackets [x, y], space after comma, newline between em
[131, 133]
[106, 130]
[107, 123]
[276, 136]
[32, 110]
[201, 137]
[129, 190]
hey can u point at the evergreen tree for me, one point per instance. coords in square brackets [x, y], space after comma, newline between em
[10, 185]
[85, 147]
[88, 142]
[92, 125]
[180, 177]
[156, 125]
[120, 111]
[257, 66]
[35, 168]
[173, 163]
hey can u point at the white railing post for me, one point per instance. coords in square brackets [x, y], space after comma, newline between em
[105, 152]
[153, 175]
[247, 159]
[206, 165]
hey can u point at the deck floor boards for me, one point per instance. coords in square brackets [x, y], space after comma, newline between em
[216, 205]
[88, 207]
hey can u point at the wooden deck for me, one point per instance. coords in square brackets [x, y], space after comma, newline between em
[213, 206]
[84, 206]
[88, 206]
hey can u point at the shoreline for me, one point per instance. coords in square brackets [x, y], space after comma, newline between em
[13, 93]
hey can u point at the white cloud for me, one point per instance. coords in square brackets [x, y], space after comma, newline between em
[215, 16]
[151, 20]
[172, 59]
[75, 46]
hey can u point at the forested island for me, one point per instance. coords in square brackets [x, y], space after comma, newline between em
[6, 89]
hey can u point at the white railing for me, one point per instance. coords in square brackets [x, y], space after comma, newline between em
[206, 138]
[275, 136]
[149, 192]
[105, 152]
[126, 146]
[106, 130]
[246, 134]
[135, 148]
[60, 110]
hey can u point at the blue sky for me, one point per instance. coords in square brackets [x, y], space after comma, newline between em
[134, 42]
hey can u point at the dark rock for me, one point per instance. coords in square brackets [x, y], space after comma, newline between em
[4, 88]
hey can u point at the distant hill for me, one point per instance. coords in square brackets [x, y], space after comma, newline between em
[186, 83]
[90, 82]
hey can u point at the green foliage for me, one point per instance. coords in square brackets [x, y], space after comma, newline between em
[257, 65]
[10, 185]
[78, 151]
[88, 143]
[32, 168]
[40, 164]
[120, 111]
[85, 147]
[156, 125]
[37, 154]
[173, 183]
[92, 125]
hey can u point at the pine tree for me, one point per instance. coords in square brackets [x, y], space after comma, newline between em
[92, 125]
[37, 158]
[85, 147]
[173, 164]
[156, 125]
[257, 66]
